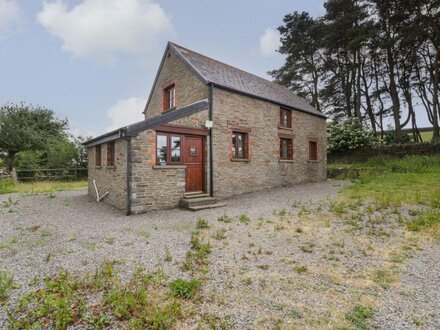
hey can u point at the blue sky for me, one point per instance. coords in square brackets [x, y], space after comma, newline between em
[93, 61]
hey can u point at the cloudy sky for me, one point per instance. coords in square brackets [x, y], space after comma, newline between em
[93, 61]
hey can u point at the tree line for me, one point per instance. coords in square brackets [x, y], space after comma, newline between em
[367, 60]
[32, 137]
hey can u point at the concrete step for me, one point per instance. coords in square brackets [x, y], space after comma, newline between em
[197, 201]
[207, 206]
[198, 195]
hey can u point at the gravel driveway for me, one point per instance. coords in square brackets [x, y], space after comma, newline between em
[286, 266]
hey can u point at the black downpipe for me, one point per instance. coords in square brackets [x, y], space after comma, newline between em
[128, 175]
[211, 165]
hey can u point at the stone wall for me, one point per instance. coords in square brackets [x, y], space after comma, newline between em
[264, 168]
[189, 88]
[152, 187]
[399, 151]
[109, 178]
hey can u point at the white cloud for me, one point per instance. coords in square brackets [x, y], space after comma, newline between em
[269, 42]
[103, 30]
[126, 112]
[11, 17]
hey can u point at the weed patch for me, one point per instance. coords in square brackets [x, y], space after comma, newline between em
[359, 316]
[184, 288]
[202, 223]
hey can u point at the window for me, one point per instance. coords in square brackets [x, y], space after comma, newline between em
[175, 149]
[313, 150]
[98, 155]
[165, 153]
[285, 118]
[286, 149]
[240, 147]
[169, 97]
[111, 153]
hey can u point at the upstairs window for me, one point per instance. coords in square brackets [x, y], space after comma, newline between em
[98, 155]
[285, 118]
[169, 97]
[168, 148]
[240, 145]
[111, 153]
[313, 150]
[286, 149]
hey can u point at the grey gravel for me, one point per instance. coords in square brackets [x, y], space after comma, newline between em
[416, 301]
[39, 235]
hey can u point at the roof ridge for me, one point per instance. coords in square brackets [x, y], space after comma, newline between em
[231, 66]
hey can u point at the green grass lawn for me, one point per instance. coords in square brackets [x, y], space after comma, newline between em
[6, 186]
[392, 183]
[409, 180]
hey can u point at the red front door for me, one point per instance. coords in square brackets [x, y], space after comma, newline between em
[193, 156]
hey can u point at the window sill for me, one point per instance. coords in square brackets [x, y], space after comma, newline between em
[97, 167]
[240, 160]
[285, 128]
[168, 110]
[313, 161]
[111, 167]
[169, 167]
[286, 160]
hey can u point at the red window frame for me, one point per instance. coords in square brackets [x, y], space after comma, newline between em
[235, 149]
[169, 97]
[111, 153]
[285, 118]
[313, 151]
[98, 155]
[169, 137]
[289, 142]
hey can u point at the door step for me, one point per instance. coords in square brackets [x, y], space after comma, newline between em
[207, 206]
[195, 195]
[196, 203]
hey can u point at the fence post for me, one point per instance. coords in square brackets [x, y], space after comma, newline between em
[14, 176]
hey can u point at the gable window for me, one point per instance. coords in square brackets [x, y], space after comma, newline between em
[286, 149]
[111, 153]
[285, 118]
[98, 155]
[168, 148]
[313, 150]
[169, 97]
[240, 145]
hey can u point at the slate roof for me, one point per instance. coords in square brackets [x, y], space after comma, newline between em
[229, 77]
[153, 122]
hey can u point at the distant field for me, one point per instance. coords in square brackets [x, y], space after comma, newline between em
[426, 136]
[6, 186]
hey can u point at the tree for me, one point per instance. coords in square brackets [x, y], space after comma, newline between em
[300, 36]
[26, 127]
[367, 59]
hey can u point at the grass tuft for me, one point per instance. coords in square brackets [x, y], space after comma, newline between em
[184, 288]
[359, 316]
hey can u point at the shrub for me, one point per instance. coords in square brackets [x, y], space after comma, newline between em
[348, 136]
[184, 288]
[390, 138]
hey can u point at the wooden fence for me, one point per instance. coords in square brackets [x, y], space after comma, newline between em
[44, 174]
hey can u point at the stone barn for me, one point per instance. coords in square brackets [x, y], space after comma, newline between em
[211, 131]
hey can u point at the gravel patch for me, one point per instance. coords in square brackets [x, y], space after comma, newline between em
[416, 301]
[293, 263]
[43, 233]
